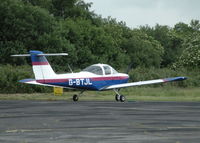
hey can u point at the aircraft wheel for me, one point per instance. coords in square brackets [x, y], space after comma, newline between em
[117, 97]
[75, 98]
[122, 98]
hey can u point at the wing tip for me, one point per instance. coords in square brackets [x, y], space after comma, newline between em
[26, 80]
[175, 79]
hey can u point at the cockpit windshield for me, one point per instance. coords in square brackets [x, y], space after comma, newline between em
[114, 71]
[100, 69]
[94, 69]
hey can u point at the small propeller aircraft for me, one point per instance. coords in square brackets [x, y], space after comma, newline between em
[97, 77]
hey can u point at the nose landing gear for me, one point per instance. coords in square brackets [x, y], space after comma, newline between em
[120, 98]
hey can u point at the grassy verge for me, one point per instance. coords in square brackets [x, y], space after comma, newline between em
[132, 94]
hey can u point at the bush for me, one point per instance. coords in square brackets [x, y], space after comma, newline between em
[141, 74]
[10, 75]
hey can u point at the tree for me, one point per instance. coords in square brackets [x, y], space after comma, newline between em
[21, 26]
[169, 39]
[143, 50]
[183, 29]
[190, 57]
[195, 25]
[71, 8]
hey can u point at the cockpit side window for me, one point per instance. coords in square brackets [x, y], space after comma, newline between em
[107, 70]
[94, 69]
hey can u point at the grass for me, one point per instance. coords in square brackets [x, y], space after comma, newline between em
[132, 94]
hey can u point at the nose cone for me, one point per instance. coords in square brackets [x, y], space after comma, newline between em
[123, 77]
[126, 76]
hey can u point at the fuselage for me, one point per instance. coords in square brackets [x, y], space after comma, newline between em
[86, 80]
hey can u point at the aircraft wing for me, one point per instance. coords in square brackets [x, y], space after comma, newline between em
[144, 83]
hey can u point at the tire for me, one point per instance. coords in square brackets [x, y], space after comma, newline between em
[122, 98]
[75, 98]
[117, 97]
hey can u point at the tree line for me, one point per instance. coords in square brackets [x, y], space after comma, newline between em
[69, 26]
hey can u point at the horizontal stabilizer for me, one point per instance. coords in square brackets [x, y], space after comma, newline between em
[55, 54]
[28, 55]
[21, 55]
[33, 81]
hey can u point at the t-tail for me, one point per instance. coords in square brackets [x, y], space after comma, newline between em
[41, 67]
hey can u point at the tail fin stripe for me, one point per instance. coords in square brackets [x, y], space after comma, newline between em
[39, 63]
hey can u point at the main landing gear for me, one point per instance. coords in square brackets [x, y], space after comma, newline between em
[76, 97]
[119, 97]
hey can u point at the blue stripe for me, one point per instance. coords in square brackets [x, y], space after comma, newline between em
[96, 85]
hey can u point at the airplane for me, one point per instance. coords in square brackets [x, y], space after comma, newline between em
[97, 77]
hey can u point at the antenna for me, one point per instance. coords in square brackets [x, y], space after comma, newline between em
[70, 68]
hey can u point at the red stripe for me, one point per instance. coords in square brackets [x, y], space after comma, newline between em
[109, 78]
[40, 63]
[93, 79]
[52, 80]
[41, 81]
[165, 80]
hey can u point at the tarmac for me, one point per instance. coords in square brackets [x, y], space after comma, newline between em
[99, 122]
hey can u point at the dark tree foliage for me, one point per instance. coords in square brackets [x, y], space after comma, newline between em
[69, 26]
[143, 50]
[169, 39]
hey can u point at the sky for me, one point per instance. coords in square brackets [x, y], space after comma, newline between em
[148, 12]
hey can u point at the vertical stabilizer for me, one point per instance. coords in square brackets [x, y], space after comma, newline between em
[41, 67]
